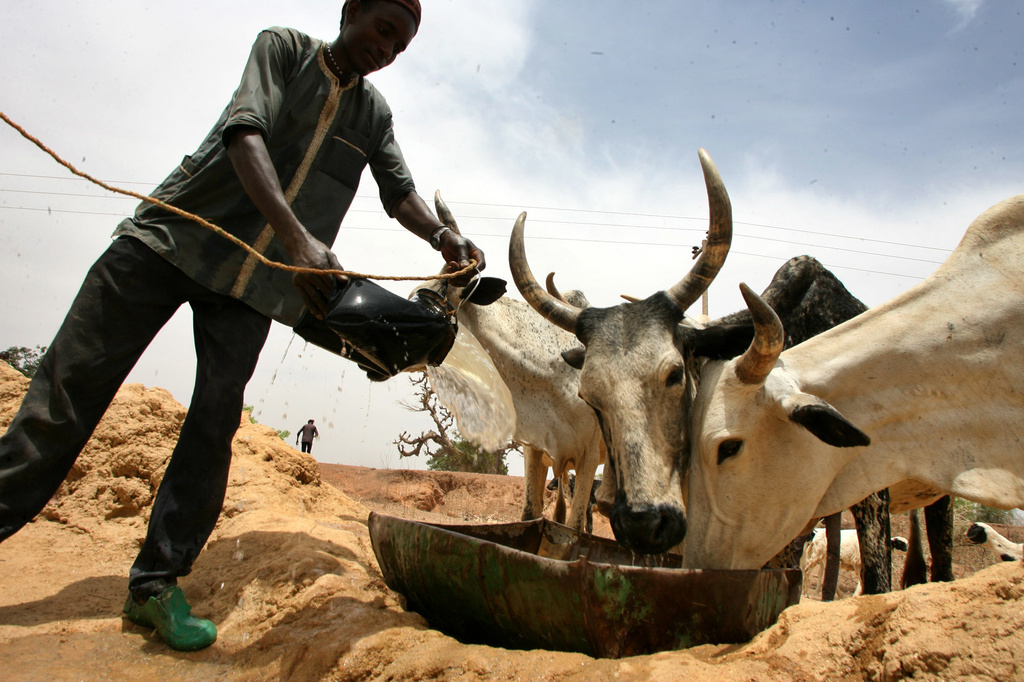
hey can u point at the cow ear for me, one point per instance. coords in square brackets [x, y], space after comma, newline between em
[486, 290]
[824, 421]
[575, 357]
[719, 342]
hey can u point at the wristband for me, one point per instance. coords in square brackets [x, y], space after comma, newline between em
[435, 237]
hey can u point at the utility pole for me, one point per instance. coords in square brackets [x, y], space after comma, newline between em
[697, 250]
[704, 296]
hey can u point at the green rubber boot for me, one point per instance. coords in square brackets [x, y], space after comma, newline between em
[172, 617]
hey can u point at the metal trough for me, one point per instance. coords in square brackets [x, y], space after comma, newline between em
[541, 585]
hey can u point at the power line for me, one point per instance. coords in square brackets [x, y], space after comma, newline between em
[674, 217]
[543, 237]
[835, 267]
[844, 236]
[571, 223]
[69, 194]
[681, 246]
[617, 242]
[735, 234]
[686, 246]
[550, 222]
[76, 179]
[583, 211]
[61, 210]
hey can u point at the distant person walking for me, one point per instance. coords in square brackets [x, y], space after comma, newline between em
[307, 432]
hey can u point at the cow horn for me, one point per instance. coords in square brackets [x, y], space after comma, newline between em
[769, 337]
[549, 284]
[551, 308]
[443, 214]
[712, 256]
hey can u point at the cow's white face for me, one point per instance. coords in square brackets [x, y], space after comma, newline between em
[757, 472]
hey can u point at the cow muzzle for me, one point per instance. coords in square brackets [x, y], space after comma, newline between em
[650, 529]
[976, 534]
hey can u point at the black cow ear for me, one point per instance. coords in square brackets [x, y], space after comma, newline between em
[487, 290]
[575, 357]
[826, 422]
[719, 342]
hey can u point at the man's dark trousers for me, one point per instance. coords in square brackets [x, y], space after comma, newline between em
[126, 298]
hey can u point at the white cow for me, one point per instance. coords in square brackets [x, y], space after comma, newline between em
[849, 553]
[554, 426]
[1001, 548]
[933, 380]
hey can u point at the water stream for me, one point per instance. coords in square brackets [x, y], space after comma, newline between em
[468, 384]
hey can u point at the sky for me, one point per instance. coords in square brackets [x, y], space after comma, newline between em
[867, 134]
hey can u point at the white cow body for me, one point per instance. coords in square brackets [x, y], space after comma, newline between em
[935, 378]
[849, 553]
[554, 426]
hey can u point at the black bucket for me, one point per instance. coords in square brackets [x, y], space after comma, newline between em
[382, 332]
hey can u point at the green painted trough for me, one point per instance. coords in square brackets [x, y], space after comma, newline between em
[541, 585]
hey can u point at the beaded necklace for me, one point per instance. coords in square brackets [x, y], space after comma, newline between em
[337, 69]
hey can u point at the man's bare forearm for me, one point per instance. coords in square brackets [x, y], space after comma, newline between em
[413, 214]
[255, 169]
[251, 161]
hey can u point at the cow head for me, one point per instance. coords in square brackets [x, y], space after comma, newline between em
[977, 533]
[758, 465]
[635, 374]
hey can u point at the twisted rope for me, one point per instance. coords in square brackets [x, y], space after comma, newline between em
[219, 230]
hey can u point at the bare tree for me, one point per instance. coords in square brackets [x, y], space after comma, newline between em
[445, 449]
[408, 446]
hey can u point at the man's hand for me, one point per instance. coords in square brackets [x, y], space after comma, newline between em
[457, 252]
[412, 213]
[316, 290]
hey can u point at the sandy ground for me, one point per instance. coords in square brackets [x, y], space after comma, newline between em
[290, 579]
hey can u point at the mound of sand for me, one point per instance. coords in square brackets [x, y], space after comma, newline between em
[290, 579]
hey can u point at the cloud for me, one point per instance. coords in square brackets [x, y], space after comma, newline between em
[967, 9]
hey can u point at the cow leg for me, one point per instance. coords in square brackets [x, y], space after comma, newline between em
[791, 556]
[915, 570]
[536, 474]
[938, 519]
[871, 516]
[809, 559]
[590, 512]
[585, 472]
[833, 524]
[563, 486]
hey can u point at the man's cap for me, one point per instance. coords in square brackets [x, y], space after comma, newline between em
[413, 6]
